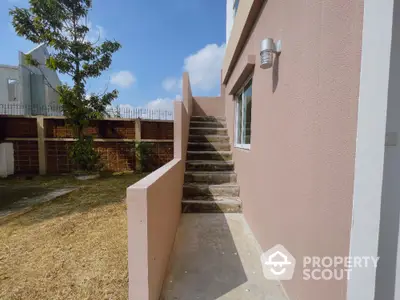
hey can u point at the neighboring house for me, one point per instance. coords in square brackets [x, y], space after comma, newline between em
[28, 90]
[314, 133]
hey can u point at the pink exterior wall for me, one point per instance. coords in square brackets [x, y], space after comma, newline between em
[296, 182]
[208, 106]
[154, 210]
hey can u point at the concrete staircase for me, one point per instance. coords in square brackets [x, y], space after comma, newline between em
[210, 181]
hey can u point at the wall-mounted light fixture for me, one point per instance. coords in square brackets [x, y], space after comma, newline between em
[268, 48]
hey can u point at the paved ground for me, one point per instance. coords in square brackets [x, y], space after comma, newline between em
[216, 257]
[23, 204]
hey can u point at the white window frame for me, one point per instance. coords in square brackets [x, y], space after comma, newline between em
[240, 93]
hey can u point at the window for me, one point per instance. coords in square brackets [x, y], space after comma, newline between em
[235, 7]
[12, 85]
[243, 116]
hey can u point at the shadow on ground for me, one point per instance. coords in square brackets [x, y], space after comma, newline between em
[216, 256]
[12, 194]
[205, 262]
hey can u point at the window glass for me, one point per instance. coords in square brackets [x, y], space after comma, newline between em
[247, 114]
[243, 116]
[239, 116]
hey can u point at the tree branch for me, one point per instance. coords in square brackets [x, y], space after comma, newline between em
[106, 88]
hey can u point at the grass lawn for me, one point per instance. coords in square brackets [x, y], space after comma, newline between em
[74, 247]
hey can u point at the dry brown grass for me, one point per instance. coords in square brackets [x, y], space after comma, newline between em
[72, 248]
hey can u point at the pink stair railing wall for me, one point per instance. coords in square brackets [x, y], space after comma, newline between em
[154, 210]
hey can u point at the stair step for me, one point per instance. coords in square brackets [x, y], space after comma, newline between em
[209, 155]
[208, 146]
[208, 138]
[210, 177]
[207, 118]
[209, 165]
[225, 205]
[196, 124]
[210, 198]
[208, 131]
[193, 190]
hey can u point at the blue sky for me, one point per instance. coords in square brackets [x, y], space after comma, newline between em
[160, 39]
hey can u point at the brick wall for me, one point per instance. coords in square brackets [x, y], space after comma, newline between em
[159, 154]
[118, 156]
[26, 157]
[116, 129]
[26, 154]
[57, 157]
[56, 128]
[18, 128]
[114, 140]
[157, 130]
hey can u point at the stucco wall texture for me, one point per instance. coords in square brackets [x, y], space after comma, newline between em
[208, 106]
[154, 207]
[296, 181]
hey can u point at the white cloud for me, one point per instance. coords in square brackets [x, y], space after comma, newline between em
[172, 84]
[161, 104]
[125, 106]
[204, 68]
[161, 108]
[96, 33]
[121, 111]
[123, 79]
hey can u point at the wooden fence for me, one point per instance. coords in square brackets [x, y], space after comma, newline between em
[41, 143]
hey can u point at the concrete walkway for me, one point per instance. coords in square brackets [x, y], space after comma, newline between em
[216, 257]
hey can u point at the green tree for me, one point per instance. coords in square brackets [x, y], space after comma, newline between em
[62, 25]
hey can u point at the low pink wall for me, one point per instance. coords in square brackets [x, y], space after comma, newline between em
[181, 132]
[296, 181]
[208, 106]
[187, 93]
[154, 210]
[185, 114]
